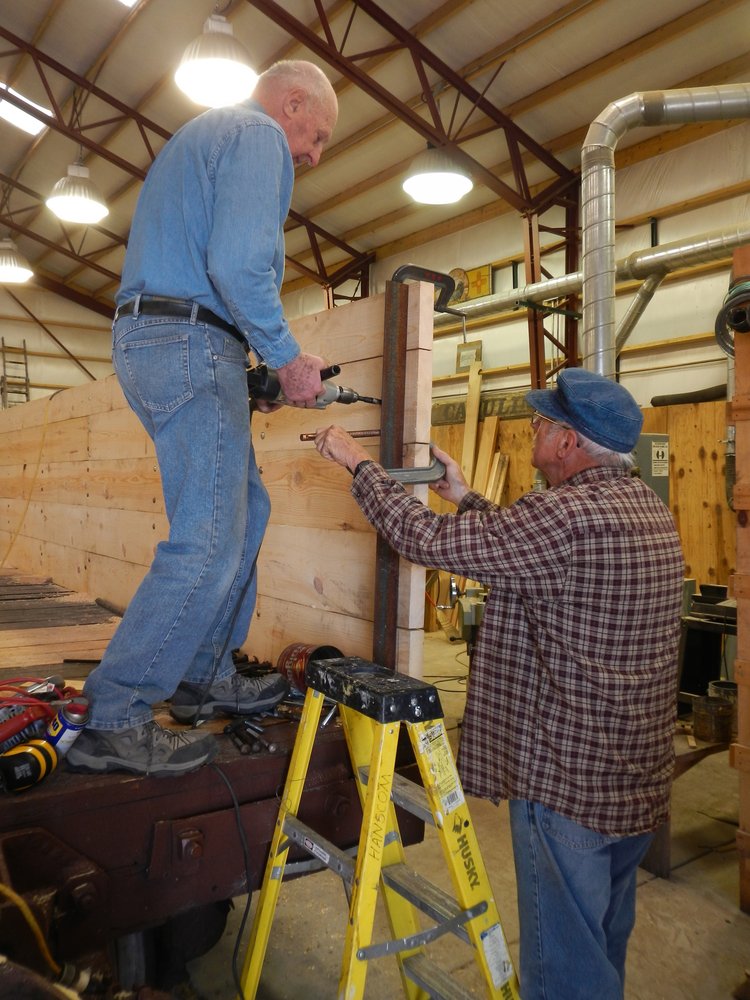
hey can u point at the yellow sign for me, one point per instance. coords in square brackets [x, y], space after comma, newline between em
[480, 281]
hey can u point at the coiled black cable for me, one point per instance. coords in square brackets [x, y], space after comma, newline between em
[734, 315]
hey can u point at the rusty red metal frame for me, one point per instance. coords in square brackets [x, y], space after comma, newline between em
[431, 129]
[119, 114]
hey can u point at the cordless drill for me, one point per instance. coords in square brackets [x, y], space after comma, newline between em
[263, 383]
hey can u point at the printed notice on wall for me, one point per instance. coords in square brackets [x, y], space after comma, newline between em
[660, 458]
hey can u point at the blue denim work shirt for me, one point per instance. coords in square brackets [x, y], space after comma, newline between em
[209, 225]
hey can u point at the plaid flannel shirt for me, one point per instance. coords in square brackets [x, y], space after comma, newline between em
[572, 688]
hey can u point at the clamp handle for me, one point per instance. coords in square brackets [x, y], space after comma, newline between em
[421, 474]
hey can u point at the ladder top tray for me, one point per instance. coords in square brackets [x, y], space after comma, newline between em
[374, 691]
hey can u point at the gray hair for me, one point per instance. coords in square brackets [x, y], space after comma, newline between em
[299, 72]
[605, 456]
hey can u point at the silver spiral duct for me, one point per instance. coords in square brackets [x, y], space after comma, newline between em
[641, 264]
[667, 107]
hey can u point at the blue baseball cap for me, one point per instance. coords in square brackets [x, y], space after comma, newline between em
[593, 405]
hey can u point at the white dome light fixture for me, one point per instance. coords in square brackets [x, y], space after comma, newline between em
[75, 198]
[434, 179]
[215, 68]
[14, 268]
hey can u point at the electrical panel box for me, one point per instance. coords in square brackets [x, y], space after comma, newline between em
[652, 463]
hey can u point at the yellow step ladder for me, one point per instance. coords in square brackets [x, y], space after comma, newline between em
[373, 703]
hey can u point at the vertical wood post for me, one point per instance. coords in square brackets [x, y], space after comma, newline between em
[385, 618]
[740, 751]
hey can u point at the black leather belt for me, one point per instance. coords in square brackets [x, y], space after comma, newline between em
[154, 305]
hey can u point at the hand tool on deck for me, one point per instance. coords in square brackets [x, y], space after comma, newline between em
[245, 739]
[257, 731]
[241, 745]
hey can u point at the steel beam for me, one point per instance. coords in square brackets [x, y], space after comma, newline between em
[432, 129]
[116, 113]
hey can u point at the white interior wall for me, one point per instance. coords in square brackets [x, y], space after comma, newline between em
[84, 333]
[678, 310]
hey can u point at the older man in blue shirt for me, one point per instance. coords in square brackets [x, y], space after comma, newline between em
[200, 287]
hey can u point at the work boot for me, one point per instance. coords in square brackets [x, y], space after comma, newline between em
[234, 695]
[146, 749]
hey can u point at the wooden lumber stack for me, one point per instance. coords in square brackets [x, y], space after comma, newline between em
[47, 629]
[485, 468]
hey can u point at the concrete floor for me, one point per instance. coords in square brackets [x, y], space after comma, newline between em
[691, 941]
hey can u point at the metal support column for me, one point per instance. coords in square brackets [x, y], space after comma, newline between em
[384, 635]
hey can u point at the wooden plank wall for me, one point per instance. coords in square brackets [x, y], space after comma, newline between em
[80, 494]
[316, 528]
[697, 432]
[740, 751]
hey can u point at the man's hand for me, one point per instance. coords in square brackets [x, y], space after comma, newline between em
[300, 380]
[336, 445]
[452, 487]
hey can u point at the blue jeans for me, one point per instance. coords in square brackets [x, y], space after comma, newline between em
[187, 383]
[576, 904]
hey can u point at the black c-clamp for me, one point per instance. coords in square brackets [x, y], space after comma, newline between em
[444, 282]
[447, 286]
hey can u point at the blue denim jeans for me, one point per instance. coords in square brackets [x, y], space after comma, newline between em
[576, 904]
[187, 383]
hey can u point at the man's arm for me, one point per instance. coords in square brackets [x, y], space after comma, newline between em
[452, 487]
[300, 379]
[336, 445]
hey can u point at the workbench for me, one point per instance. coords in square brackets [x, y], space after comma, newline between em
[102, 859]
[658, 857]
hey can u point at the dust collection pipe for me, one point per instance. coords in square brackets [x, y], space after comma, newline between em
[641, 264]
[637, 307]
[655, 107]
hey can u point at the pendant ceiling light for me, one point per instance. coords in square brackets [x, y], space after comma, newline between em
[14, 268]
[75, 198]
[434, 179]
[215, 69]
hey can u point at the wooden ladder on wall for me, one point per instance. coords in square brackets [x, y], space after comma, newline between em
[14, 382]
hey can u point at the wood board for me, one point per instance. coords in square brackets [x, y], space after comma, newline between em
[80, 494]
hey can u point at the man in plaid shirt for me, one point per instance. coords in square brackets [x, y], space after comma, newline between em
[571, 703]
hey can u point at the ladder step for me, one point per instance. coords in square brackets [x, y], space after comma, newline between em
[429, 898]
[319, 847]
[434, 980]
[407, 794]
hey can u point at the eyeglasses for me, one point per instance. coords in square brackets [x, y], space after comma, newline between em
[537, 418]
